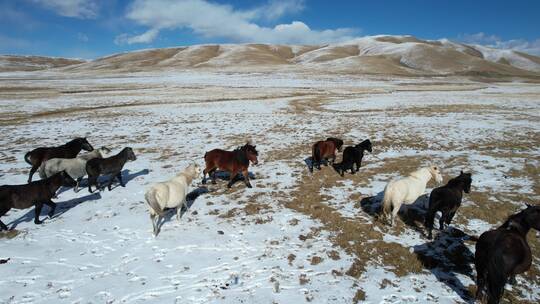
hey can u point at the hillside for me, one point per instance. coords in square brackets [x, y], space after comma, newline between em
[392, 55]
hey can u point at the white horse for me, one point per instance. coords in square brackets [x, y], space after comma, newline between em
[407, 190]
[75, 167]
[170, 194]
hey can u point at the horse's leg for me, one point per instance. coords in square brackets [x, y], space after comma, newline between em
[203, 181]
[38, 212]
[154, 225]
[394, 214]
[119, 177]
[92, 180]
[246, 178]
[51, 205]
[111, 181]
[449, 218]
[232, 178]
[76, 189]
[512, 280]
[358, 164]
[442, 220]
[3, 210]
[214, 176]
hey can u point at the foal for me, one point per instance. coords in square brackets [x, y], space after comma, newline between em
[503, 253]
[70, 150]
[324, 150]
[353, 155]
[33, 194]
[108, 166]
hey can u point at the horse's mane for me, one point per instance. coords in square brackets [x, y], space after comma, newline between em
[456, 180]
[417, 172]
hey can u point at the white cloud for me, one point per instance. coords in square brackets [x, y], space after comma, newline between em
[211, 20]
[522, 45]
[84, 9]
[146, 37]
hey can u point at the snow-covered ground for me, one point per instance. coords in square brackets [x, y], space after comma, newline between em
[245, 245]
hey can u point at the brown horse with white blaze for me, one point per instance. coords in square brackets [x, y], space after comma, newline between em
[233, 162]
[325, 150]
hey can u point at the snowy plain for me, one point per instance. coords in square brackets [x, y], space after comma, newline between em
[99, 248]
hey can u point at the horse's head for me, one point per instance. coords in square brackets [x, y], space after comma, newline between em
[67, 180]
[337, 142]
[436, 174]
[251, 153]
[467, 181]
[366, 145]
[129, 153]
[532, 216]
[194, 170]
[85, 145]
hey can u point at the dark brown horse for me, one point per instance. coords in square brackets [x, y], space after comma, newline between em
[70, 150]
[233, 162]
[324, 150]
[33, 194]
[503, 253]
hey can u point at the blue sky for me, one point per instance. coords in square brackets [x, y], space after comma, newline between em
[93, 28]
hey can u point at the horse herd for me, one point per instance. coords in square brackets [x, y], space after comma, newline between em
[500, 253]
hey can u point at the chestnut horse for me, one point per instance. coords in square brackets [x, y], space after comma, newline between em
[231, 161]
[324, 149]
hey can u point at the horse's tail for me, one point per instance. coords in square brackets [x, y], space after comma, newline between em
[150, 197]
[387, 202]
[495, 276]
[316, 153]
[27, 158]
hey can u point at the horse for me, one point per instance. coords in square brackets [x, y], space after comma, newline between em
[75, 167]
[353, 155]
[503, 253]
[447, 199]
[232, 161]
[108, 166]
[170, 194]
[407, 190]
[324, 149]
[70, 150]
[33, 194]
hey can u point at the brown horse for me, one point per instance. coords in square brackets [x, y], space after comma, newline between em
[231, 161]
[325, 150]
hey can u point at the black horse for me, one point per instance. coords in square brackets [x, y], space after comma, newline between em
[108, 166]
[353, 155]
[503, 253]
[70, 150]
[35, 193]
[447, 199]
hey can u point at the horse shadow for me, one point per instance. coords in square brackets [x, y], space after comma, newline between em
[126, 178]
[169, 213]
[446, 256]
[61, 208]
[311, 164]
[409, 214]
[226, 176]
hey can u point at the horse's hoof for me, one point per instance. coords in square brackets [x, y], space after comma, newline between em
[249, 186]
[38, 222]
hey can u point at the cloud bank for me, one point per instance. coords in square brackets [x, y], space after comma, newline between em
[211, 20]
[83, 9]
[522, 45]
